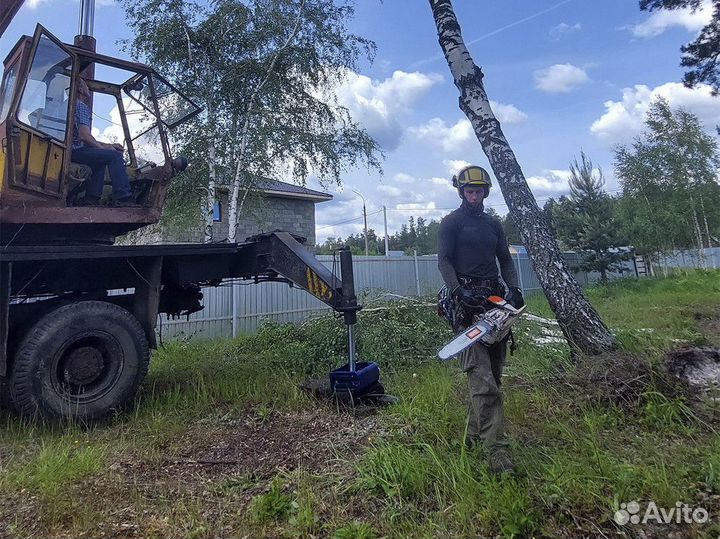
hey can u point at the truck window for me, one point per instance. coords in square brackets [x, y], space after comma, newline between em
[8, 89]
[44, 104]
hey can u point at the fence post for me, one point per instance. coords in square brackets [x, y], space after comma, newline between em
[235, 290]
[417, 273]
[520, 273]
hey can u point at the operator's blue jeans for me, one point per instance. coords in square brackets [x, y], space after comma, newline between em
[97, 159]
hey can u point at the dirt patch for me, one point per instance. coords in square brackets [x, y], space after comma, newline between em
[209, 475]
[621, 380]
[699, 366]
[284, 442]
[709, 325]
[257, 444]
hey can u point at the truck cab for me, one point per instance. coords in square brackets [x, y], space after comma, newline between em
[41, 189]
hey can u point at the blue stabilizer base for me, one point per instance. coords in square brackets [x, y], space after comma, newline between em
[365, 376]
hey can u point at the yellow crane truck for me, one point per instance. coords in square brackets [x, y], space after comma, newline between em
[77, 312]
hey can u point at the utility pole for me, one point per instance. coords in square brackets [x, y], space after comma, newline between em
[387, 243]
[365, 219]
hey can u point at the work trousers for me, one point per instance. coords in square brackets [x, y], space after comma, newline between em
[486, 420]
[97, 159]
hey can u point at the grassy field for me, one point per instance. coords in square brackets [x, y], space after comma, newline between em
[223, 443]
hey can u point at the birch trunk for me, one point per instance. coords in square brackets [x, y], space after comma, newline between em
[237, 180]
[580, 323]
[705, 221]
[696, 222]
[208, 210]
[234, 209]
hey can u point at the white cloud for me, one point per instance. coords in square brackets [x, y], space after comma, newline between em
[401, 177]
[625, 119]
[507, 114]
[560, 78]
[380, 106]
[661, 20]
[563, 29]
[451, 138]
[147, 147]
[453, 165]
[551, 183]
[460, 135]
[389, 190]
[34, 4]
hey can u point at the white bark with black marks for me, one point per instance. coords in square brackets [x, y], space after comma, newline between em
[211, 195]
[236, 205]
[578, 320]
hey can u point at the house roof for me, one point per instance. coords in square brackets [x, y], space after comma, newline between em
[276, 188]
[283, 189]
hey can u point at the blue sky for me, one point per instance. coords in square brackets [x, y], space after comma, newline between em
[563, 76]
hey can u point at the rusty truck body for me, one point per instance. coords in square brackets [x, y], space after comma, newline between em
[78, 313]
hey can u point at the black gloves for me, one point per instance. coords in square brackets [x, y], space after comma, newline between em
[514, 297]
[464, 295]
[472, 297]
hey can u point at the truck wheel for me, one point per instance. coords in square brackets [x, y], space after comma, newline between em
[82, 360]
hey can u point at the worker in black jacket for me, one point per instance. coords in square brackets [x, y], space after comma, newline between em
[471, 246]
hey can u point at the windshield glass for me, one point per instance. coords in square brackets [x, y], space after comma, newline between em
[45, 103]
[8, 88]
[174, 108]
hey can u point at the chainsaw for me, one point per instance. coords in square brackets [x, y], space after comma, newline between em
[491, 323]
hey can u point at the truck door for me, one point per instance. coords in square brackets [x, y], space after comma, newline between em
[39, 123]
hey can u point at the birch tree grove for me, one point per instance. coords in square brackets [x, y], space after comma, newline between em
[580, 323]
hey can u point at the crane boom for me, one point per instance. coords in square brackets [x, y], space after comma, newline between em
[8, 9]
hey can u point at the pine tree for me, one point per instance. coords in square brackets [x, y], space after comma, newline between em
[588, 221]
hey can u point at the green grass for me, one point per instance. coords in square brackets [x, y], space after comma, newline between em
[579, 456]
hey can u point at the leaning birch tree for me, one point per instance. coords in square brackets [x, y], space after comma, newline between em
[580, 323]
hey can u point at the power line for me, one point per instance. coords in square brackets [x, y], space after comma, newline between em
[347, 221]
[487, 206]
[491, 206]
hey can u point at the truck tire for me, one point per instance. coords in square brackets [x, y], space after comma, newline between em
[80, 361]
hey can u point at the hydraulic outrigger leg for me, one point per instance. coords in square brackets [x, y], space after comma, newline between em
[358, 379]
[279, 254]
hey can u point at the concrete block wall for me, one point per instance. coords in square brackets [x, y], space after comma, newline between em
[273, 213]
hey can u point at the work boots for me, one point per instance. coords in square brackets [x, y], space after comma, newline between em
[500, 462]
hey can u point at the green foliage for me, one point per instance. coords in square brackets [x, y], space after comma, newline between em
[265, 72]
[585, 221]
[712, 468]
[272, 506]
[56, 466]
[355, 530]
[664, 413]
[305, 522]
[669, 180]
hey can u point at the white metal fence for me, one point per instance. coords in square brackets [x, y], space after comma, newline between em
[708, 258]
[237, 308]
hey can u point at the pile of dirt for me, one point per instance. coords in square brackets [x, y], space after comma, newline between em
[621, 380]
[699, 366]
